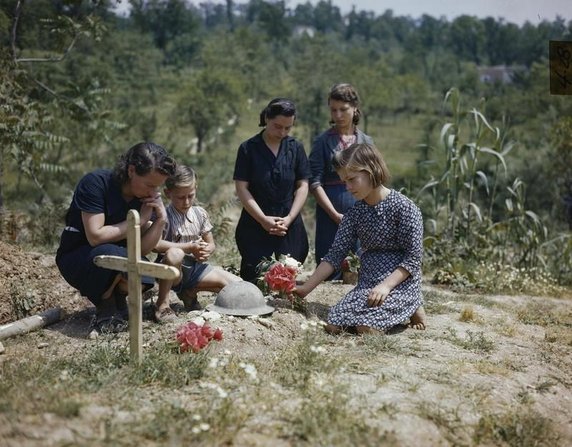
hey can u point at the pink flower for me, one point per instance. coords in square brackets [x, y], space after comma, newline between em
[195, 337]
[281, 278]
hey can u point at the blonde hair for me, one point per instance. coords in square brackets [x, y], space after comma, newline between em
[363, 157]
[183, 177]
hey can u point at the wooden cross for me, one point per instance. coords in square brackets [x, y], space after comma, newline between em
[135, 268]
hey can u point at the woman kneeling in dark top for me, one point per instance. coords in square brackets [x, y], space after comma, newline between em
[96, 225]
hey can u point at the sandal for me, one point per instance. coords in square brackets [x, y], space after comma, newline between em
[165, 315]
[110, 325]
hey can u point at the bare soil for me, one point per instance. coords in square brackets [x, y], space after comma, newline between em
[480, 356]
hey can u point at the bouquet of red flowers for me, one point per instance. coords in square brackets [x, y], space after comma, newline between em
[279, 276]
[196, 337]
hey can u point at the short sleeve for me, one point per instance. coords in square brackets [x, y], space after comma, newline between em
[90, 194]
[242, 165]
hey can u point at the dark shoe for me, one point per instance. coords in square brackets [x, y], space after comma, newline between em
[121, 305]
[111, 325]
[165, 315]
[191, 302]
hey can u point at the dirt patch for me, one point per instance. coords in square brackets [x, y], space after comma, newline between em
[30, 282]
[489, 370]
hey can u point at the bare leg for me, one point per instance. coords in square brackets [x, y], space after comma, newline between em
[109, 292]
[418, 319]
[332, 329]
[163, 313]
[190, 299]
[213, 281]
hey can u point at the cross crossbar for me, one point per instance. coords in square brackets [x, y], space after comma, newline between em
[135, 268]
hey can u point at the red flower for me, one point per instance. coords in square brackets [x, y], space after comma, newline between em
[195, 337]
[281, 278]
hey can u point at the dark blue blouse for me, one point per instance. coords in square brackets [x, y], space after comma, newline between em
[272, 179]
[97, 192]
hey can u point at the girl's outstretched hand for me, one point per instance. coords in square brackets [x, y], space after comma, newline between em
[301, 291]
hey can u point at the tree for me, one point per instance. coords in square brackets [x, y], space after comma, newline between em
[28, 98]
[467, 38]
[166, 20]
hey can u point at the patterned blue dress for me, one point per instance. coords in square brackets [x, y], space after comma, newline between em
[391, 236]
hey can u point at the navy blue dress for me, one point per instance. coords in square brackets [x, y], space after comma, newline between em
[97, 192]
[391, 236]
[272, 182]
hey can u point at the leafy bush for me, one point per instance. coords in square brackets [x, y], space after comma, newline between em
[479, 233]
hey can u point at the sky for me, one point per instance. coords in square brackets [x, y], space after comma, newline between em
[513, 11]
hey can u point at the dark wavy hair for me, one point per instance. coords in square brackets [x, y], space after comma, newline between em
[276, 107]
[346, 93]
[145, 157]
[363, 157]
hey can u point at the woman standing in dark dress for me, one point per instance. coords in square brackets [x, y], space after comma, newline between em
[271, 177]
[332, 198]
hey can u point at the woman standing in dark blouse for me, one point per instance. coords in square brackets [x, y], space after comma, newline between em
[332, 198]
[271, 177]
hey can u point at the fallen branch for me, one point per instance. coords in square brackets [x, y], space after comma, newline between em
[32, 323]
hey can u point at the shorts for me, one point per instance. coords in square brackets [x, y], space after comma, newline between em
[192, 272]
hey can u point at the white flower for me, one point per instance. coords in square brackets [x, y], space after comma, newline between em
[214, 362]
[249, 369]
[211, 316]
[196, 417]
[204, 426]
[288, 261]
[213, 386]
[317, 349]
[199, 321]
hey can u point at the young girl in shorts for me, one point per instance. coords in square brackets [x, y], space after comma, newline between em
[389, 227]
[187, 244]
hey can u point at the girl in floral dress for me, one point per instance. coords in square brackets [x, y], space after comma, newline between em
[389, 227]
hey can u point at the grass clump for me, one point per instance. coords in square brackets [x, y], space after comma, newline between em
[296, 366]
[326, 418]
[468, 315]
[519, 427]
[544, 315]
[164, 365]
[475, 342]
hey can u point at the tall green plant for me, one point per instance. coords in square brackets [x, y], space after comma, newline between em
[472, 217]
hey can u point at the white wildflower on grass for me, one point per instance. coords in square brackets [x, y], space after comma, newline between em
[214, 363]
[317, 349]
[249, 369]
[213, 386]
